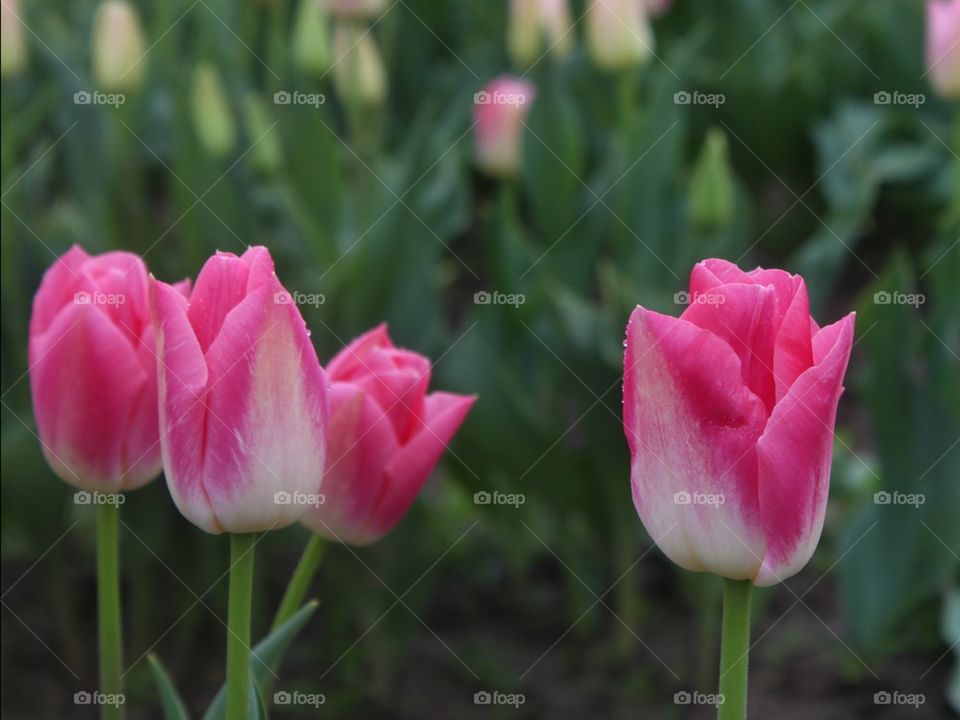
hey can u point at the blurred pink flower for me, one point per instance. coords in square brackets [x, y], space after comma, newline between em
[943, 46]
[499, 110]
[386, 435]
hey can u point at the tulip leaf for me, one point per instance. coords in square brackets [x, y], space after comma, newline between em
[173, 707]
[265, 658]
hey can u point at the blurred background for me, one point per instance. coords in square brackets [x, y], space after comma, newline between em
[806, 135]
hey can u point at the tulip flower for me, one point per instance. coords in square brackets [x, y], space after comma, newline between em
[93, 377]
[499, 110]
[358, 71]
[243, 412]
[13, 45]
[118, 46]
[534, 20]
[311, 43]
[212, 114]
[242, 396]
[386, 434]
[729, 413]
[356, 9]
[619, 36]
[658, 7]
[93, 372]
[943, 46]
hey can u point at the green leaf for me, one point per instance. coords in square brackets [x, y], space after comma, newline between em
[265, 658]
[173, 707]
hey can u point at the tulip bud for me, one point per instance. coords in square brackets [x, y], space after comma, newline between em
[242, 397]
[266, 153]
[386, 434]
[311, 44]
[943, 46]
[13, 46]
[534, 20]
[658, 7]
[498, 114]
[729, 413]
[212, 114]
[93, 371]
[358, 71]
[118, 47]
[355, 9]
[619, 35]
[711, 187]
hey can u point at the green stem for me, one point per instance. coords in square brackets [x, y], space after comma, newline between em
[734, 650]
[238, 625]
[300, 580]
[108, 603]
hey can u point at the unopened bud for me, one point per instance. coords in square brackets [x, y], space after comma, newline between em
[358, 70]
[311, 40]
[118, 47]
[13, 46]
[711, 185]
[618, 34]
[212, 115]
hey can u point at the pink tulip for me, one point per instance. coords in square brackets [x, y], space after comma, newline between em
[729, 413]
[93, 372]
[499, 111]
[386, 436]
[943, 46]
[243, 406]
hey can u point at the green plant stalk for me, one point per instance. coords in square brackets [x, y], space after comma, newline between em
[300, 580]
[238, 624]
[734, 650]
[108, 604]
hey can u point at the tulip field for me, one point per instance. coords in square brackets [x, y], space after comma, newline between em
[547, 359]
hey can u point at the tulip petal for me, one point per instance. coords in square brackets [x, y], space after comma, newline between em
[361, 444]
[793, 350]
[794, 456]
[350, 359]
[57, 288]
[692, 424]
[410, 468]
[266, 426]
[741, 315]
[83, 377]
[182, 390]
